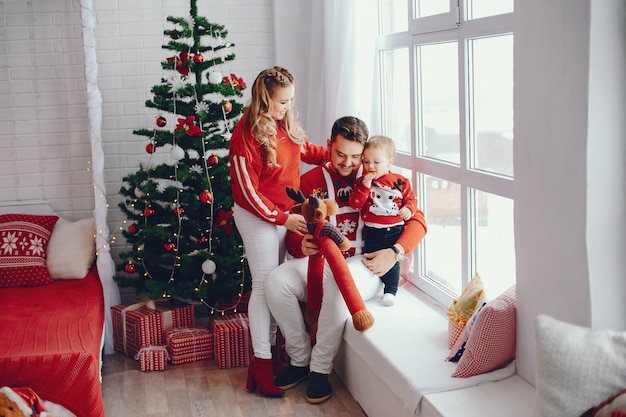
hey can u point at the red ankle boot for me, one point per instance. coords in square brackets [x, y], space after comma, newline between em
[260, 376]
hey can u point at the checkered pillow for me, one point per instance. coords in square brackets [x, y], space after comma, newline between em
[491, 343]
[23, 243]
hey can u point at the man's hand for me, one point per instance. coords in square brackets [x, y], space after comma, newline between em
[380, 262]
[309, 248]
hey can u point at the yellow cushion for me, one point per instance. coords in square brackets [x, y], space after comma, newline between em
[461, 310]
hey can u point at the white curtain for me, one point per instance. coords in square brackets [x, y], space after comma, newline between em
[106, 267]
[329, 45]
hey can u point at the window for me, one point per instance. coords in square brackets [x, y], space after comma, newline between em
[446, 80]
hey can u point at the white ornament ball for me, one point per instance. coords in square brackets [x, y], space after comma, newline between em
[138, 192]
[177, 153]
[215, 77]
[208, 267]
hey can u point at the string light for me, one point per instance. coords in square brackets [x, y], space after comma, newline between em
[176, 263]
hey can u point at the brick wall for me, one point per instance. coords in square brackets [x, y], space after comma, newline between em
[44, 147]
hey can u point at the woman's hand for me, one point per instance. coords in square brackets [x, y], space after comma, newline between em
[309, 248]
[296, 223]
[380, 262]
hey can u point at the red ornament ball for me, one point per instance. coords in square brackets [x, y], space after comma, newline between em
[179, 211]
[206, 197]
[213, 159]
[202, 239]
[161, 121]
[198, 58]
[130, 268]
[148, 211]
[132, 229]
[150, 148]
[228, 107]
[169, 246]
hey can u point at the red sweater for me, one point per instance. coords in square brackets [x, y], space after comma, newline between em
[259, 188]
[324, 182]
[381, 203]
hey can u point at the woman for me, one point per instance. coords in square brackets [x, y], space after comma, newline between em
[266, 148]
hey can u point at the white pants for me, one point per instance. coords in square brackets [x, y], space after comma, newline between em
[264, 245]
[286, 286]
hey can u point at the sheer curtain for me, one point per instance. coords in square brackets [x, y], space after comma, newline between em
[329, 46]
[106, 267]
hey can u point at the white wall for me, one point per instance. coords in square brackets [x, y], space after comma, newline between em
[129, 36]
[44, 148]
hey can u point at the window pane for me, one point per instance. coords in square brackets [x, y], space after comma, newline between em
[438, 101]
[394, 16]
[491, 108]
[424, 8]
[495, 246]
[442, 244]
[483, 8]
[396, 96]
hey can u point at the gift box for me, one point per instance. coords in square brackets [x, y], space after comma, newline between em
[189, 344]
[152, 358]
[231, 340]
[142, 324]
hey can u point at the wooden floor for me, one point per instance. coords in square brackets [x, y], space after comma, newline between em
[201, 389]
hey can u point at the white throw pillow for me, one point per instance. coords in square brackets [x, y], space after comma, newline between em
[71, 249]
[577, 367]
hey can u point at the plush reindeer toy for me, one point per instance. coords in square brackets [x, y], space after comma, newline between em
[331, 243]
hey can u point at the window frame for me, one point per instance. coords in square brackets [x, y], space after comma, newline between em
[438, 29]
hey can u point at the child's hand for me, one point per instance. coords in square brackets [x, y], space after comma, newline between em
[405, 213]
[368, 178]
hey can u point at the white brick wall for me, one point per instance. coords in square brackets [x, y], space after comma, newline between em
[44, 147]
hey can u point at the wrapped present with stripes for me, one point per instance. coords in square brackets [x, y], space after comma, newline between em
[152, 358]
[189, 344]
[231, 340]
[143, 324]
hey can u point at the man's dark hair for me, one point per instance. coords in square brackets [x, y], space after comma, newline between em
[351, 128]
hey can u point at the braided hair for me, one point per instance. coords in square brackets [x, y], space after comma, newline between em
[258, 116]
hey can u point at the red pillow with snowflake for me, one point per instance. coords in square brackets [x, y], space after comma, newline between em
[23, 242]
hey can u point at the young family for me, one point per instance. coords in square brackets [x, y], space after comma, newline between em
[266, 149]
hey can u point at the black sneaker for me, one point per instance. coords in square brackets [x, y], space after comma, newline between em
[291, 376]
[319, 388]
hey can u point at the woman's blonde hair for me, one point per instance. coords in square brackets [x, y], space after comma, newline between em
[258, 115]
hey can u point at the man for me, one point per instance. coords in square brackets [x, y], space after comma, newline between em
[286, 285]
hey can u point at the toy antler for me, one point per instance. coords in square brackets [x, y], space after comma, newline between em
[296, 196]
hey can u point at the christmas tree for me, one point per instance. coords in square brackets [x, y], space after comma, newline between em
[180, 219]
